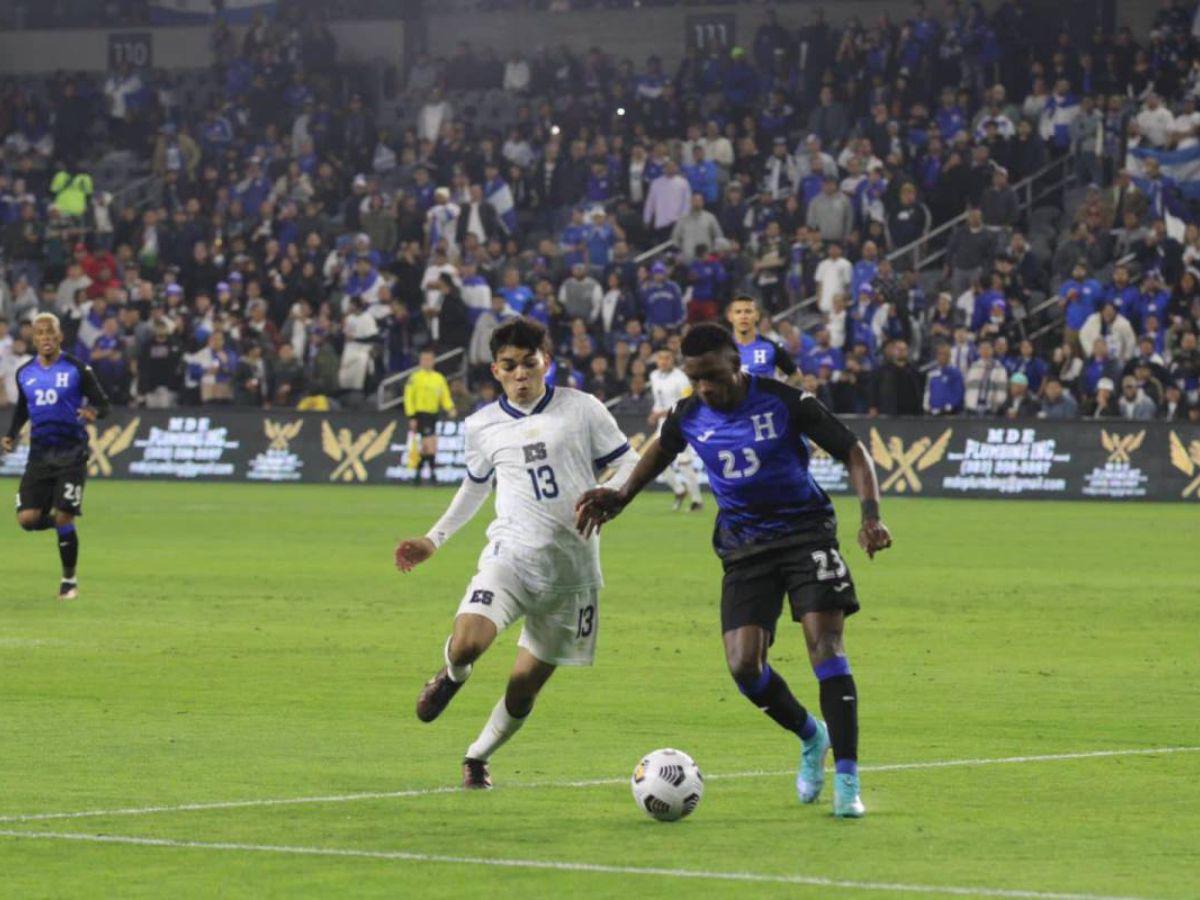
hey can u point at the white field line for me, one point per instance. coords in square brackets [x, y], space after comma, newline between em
[593, 782]
[405, 856]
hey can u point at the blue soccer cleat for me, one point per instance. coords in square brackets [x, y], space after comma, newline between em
[846, 802]
[811, 776]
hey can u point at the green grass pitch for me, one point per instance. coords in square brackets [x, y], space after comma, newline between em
[249, 643]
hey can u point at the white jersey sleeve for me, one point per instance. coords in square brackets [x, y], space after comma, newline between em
[608, 441]
[479, 467]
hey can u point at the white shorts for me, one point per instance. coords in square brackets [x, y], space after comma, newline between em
[560, 626]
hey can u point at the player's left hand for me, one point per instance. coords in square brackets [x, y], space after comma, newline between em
[87, 413]
[596, 507]
[873, 537]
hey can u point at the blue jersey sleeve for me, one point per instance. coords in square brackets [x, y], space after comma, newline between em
[783, 360]
[671, 438]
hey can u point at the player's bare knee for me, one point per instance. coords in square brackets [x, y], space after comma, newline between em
[825, 645]
[745, 667]
[472, 636]
[62, 519]
[28, 519]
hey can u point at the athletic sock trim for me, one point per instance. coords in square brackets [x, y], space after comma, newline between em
[832, 668]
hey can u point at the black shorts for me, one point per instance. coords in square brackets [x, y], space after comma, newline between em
[54, 480]
[813, 576]
[426, 424]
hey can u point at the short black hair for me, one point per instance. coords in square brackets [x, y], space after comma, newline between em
[523, 333]
[705, 338]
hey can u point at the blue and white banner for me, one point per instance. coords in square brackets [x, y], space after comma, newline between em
[1180, 168]
[200, 12]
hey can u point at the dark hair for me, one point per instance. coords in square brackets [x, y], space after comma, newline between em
[705, 338]
[523, 333]
[743, 297]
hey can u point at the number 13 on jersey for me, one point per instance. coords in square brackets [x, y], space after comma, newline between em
[542, 477]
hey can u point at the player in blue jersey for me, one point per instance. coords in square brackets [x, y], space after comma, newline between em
[776, 535]
[51, 392]
[759, 356]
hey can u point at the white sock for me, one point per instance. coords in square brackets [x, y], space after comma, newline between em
[692, 481]
[676, 481]
[499, 728]
[457, 673]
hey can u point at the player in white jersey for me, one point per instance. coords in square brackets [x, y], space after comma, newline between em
[668, 385]
[545, 447]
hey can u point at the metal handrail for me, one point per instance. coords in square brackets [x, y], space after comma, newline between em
[1026, 185]
[653, 252]
[383, 403]
[139, 190]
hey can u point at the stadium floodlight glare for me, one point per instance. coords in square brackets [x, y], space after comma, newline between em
[554, 129]
[620, 110]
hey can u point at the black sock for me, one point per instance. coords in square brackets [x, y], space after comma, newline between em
[68, 550]
[45, 523]
[839, 705]
[429, 458]
[771, 694]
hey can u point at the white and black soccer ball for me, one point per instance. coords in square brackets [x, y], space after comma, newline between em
[667, 784]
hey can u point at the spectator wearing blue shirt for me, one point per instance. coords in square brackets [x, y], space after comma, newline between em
[865, 269]
[1122, 294]
[600, 235]
[515, 294]
[1152, 300]
[1032, 367]
[1099, 366]
[822, 353]
[1078, 296]
[702, 175]
[599, 183]
[949, 117]
[707, 278]
[573, 240]
[944, 387]
[661, 299]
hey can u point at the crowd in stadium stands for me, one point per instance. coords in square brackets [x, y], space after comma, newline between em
[298, 252]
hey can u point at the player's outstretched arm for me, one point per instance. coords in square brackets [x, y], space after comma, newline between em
[873, 535]
[470, 496]
[99, 405]
[20, 417]
[599, 505]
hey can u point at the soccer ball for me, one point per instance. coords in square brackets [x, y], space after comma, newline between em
[667, 784]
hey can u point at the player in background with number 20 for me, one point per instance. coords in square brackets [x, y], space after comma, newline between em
[544, 447]
[51, 392]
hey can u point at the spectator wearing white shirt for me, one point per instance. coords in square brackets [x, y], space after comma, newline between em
[833, 277]
[810, 152]
[516, 74]
[1186, 126]
[118, 88]
[716, 146]
[435, 113]
[987, 383]
[359, 328]
[669, 198]
[1155, 121]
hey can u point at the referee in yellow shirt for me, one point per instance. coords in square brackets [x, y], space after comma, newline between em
[426, 396]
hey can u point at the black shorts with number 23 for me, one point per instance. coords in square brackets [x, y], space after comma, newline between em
[813, 576]
[54, 480]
